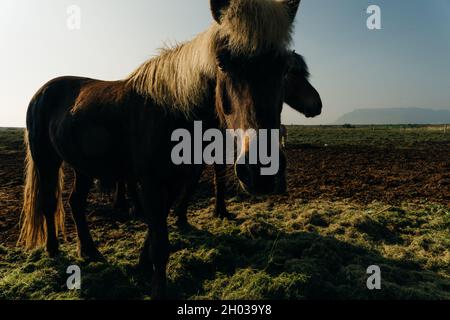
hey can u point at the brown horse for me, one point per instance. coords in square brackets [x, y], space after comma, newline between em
[121, 130]
[299, 94]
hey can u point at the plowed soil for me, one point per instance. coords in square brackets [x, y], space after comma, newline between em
[356, 172]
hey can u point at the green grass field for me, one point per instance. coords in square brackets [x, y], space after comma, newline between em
[285, 247]
[402, 136]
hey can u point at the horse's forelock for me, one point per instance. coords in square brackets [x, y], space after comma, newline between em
[254, 26]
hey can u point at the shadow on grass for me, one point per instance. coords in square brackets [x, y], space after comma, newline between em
[249, 262]
[293, 266]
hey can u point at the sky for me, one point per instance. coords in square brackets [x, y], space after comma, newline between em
[405, 64]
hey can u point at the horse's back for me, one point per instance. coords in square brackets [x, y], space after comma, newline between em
[85, 120]
[48, 97]
[46, 103]
[62, 83]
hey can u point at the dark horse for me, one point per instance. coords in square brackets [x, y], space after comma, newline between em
[299, 94]
[121, 130]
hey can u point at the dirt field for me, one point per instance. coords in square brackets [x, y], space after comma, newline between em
[357, 197]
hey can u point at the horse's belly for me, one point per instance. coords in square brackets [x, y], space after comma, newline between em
[95, 150]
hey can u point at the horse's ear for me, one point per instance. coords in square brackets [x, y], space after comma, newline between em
[217, 7]
[292, 7]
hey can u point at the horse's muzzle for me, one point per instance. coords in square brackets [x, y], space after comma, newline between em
[255, 183]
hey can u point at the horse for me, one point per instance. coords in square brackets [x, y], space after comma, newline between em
[121, 130]
[299, 94]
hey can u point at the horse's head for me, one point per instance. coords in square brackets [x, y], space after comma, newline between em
[299, 93]
[252, 62]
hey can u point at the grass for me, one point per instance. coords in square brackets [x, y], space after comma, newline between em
[11, 140]
[301, 251]
[378, 136]
[273, 250]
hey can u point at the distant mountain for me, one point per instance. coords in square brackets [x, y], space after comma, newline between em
[396, 116]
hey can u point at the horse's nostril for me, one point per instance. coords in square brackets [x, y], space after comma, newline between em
[314, 112]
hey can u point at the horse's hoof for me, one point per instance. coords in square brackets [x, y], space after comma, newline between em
[145, 268]
[135, 213]
[53, 253]
[94, 258]
[122, 204]
[224, 214]
[121, 207]
[92, 255]
[158, 290]
[158, 296]
[182, 223]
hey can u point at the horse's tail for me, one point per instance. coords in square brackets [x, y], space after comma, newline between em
[40, 188]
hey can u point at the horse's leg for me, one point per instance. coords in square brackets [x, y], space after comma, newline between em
[120, 199]
[219, 189]
[181, 209]
[156, 246]
[145, 258]
[48, 202]
[78, 203]
[136, 210]
[43, 210]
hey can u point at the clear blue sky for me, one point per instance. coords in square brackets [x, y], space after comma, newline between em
[406, 64]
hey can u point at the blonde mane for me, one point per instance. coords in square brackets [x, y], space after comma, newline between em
[254, 26]
[178, 78]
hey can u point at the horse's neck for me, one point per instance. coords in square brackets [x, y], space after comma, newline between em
[179, 78]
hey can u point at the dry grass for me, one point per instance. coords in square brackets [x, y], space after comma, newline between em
[294, 251]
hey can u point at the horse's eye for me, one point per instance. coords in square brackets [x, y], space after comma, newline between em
[223, 62]
[221, 66]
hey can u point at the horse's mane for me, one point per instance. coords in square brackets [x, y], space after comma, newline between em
[178, 77]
